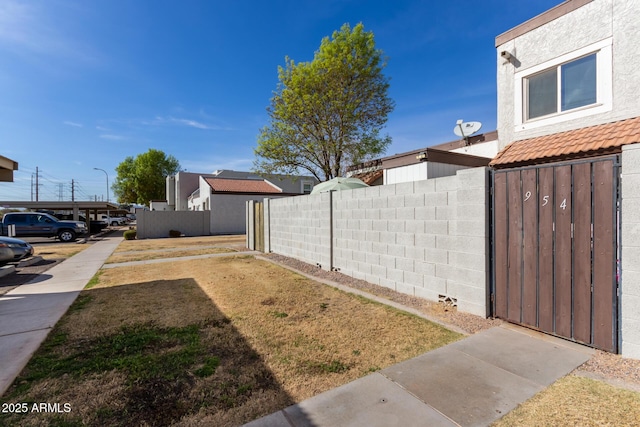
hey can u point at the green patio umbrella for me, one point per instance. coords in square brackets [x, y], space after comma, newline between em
[337, 184]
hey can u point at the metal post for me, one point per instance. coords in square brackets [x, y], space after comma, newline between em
[107, 175]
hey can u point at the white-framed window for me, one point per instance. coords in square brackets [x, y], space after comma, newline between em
[571, 86]
[307, 186]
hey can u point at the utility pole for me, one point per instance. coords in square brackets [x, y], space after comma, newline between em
[73, 191]
[37, 184]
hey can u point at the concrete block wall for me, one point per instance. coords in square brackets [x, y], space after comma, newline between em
[156, 224]
[300, 227]
[426, 238]
[630, 251]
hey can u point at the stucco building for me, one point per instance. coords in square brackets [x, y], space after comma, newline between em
[565, 185]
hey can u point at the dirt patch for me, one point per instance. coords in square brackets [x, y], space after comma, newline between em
[218, 341]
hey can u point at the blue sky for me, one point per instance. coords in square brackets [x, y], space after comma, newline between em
[86, 83]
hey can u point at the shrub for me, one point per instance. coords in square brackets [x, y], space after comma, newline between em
[129, 235]
[174, 233]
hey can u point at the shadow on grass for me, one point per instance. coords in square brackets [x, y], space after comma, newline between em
[121, 357]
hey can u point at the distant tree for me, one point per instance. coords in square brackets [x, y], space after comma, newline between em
[143, 178]
[125, 183]
[328, 113]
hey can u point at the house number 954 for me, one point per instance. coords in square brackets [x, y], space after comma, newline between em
[545, 200]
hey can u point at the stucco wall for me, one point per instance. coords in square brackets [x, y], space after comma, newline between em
[228, 213]
[156, 224]
[407, 173]
[419, 172]
[186, 183]
[427, 238]
[591, 23]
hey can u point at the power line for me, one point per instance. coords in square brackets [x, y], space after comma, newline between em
[36, 184]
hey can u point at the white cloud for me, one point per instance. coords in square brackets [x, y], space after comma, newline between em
[170, 120]
[74, 124]
[191, 123]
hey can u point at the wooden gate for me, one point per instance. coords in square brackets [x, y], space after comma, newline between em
[555, 249]
[255, 226]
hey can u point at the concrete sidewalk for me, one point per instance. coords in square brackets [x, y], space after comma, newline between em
[29, 312]
[472, 382]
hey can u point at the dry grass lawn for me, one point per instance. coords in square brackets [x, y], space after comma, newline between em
[168, 243]
[59, 250]
[577, 401]
[147, 255]
[218, 341]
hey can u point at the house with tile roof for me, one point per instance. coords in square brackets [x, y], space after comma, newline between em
[566, 256]
[225, 192]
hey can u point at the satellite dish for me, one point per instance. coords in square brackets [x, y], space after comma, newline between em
[465, 129]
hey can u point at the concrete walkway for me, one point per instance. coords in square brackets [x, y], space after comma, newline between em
[472, 382]
[29, 312]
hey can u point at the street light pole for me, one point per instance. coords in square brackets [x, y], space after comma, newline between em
[107, 175]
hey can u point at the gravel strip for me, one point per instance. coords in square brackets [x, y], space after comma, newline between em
[607, 367]
[613, 369]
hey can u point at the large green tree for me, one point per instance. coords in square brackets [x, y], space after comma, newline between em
[328, 113]
[143, 178]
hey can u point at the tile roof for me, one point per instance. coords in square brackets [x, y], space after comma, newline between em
[226, 185]
[369, 177]
[600, 139]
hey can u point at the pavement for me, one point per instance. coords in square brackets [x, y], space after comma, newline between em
[29, 312]
[471, 382]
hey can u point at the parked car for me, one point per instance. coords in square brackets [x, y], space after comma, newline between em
[113, 220]
[36, 224]
[6, 254]
[94, 226]
[17, 248]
